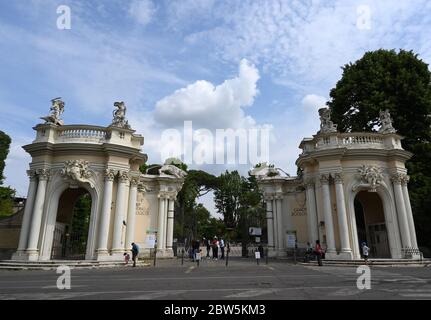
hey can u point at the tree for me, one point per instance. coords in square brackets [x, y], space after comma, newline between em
[240, 201]
[401, 83]
[6, 193]
[5, 142]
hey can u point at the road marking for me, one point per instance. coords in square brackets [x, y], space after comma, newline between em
[271, 268]
[189, 269]
[416, 295]
[253, 293]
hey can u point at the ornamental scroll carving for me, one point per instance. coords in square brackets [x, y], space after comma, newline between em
[77, 170]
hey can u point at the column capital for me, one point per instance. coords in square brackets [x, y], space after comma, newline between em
[324, 178]
[278, 196]
[43, 174]
[134, 181]
[123, 176]
[398, 178]
[169, 195]
[32, 175]
[109, 175]
[309, 182]
[338, 177]
[405, 180]
[267, 198]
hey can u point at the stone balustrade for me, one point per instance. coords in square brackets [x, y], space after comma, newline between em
[353, 140]
[89, 133]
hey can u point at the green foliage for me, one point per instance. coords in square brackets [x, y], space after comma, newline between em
[81, 222]
[401, 83]
[4, 150]
[6, 201]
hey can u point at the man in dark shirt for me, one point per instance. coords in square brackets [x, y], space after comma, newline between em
[135, 252]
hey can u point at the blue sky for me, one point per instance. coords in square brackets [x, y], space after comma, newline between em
[241, 64]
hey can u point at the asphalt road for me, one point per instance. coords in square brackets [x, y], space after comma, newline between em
[242, 279]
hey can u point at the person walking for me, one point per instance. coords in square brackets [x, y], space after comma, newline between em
[222, 245]
[365, 252]
[318, 251]
[135, 252]
[208, 245]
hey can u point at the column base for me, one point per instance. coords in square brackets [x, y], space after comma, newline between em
[343, 255]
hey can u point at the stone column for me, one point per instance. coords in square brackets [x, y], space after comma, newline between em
[120, 208]
[342, 216]
[131, 212]
[401, 210]
[313, 233]
[270, 222]
[170, 223]
[280, 233]
[160, 226]
[106, 212]
[327, 212]
[28, 209]
[36, 219]
[410, 220]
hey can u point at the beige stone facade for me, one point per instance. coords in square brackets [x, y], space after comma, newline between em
[353, 189]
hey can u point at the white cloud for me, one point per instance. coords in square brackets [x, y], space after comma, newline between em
[313, 102]
[212, 106]
[142, 11]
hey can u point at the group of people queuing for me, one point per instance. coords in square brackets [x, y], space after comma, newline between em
[215, 248]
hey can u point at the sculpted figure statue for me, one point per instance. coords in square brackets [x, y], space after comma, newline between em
[386, 121]
[119, 115]
[171, 170]
[326, 125]
[57, 109]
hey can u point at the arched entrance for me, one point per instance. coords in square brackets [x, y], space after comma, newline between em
[371, 224]
[72, 225]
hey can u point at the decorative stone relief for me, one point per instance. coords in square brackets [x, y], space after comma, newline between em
[372, 176]
[43, 174]
[326, 125]
[386, 121]
[123, 176]
[399, 178]
[142, 206]
[77, 170]
[324, 178]
[110, 174]
[171, 170]
[119, 116]
[57, 109]
[31, 174]
[338, 177]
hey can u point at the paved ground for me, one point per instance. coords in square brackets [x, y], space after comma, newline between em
[242, 279]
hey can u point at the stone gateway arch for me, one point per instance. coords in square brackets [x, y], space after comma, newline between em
[102, 162]
[353, 188]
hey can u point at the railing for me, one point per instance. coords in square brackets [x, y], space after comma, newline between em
[346, 140]
[71, 133]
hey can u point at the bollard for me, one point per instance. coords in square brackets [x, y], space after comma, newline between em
[155, 255]
[182, 256]
[266, 256]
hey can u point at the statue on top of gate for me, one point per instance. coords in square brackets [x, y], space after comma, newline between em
[57, 109]
[119, 116]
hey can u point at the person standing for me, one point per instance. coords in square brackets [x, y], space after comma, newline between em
[135, 252]
[208, 245]
[215, 248]
[222, 248]
[318, 251]
[365, 252]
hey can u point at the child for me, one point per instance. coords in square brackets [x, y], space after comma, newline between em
[126, 258]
